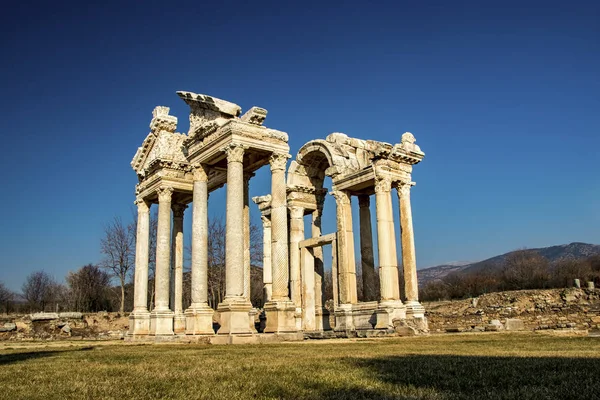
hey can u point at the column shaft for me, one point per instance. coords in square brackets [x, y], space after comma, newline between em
[318, 255]
[200, 243]
[234, 235]
[246, 223]
[346, 260]
[409, 262]
[386, 240]
[366, 249]
[163, 249]
[142, 240]
[267, 269]
[178, 210]
[279, 229]
[296, 236]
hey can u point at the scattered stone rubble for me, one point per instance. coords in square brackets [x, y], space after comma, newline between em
[69, 325]
[528, 310]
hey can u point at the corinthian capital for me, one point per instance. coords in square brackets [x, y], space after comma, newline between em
[383, 185]
[142, 206]
[266, 221]
[178, 210]
[200, 173]
[403, 188]
[235, 152]
[278, 161]
[341, 197]
[164, 194]
[296, 212]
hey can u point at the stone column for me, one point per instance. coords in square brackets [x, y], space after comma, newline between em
[179, 318]
[280, 311]
[247, 263]
[390, 304]
[322, 317]
[161, 318]
[139, 320]
[366, 249]
[409, 261]
[267, 271]
[234, 309]
[296, 236]
[346, 262]
[199, 315]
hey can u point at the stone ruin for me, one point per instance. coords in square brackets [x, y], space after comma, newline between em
[225, 147]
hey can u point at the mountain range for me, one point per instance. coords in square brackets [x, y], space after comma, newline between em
[571, 251]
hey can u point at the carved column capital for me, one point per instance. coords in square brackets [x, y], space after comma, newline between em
[278, 161]
[364, 201]
[142, 206]
[165, 193]
[403, 188]
[266, 221]
[178, 210]
[383, 185]
[200, 172]
[341, 196]
[235, 152]
[296, 212]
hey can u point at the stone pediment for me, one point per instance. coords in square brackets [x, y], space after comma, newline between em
[208, 113]
[161, 144]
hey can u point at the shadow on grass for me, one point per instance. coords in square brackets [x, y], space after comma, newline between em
[6, 359]
[467, 377]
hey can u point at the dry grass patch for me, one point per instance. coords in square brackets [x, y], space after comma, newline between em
[494, 366]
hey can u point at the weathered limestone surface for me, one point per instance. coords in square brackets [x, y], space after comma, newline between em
[224, 147]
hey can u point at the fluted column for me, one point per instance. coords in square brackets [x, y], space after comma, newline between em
[386, 240]
[409, 262]
[296, 236]
[139, 323]
[235, 308]
[267, 271]
[346, 260]
[280, 311]
[161, 318]
[199, 314]
[179, 320]
[234, 234]
[279, 233]
[366, 249]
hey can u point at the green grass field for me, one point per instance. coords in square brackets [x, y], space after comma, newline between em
[486, 366]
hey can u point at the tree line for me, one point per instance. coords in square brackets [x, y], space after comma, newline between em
[522, 269]
[91, 288]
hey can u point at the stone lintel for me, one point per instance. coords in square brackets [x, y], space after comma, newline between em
[318, 241]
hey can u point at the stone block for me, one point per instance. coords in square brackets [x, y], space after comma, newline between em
[43, 316]
[71, 315]
[8, 327]
[514, 324]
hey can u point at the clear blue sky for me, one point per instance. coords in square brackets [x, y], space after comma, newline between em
[503, 97]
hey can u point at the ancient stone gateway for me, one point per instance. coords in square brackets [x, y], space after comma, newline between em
[222, 147]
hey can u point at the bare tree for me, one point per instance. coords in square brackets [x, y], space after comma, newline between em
[89, 288]
[38, 290]
[6, 297]
[118, 248]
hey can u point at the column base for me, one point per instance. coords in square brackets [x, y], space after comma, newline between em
[252, 319]
[179, 323]
[161, 322]
[343, 318]
[280, 316]
[387, 311]
[298, 318]
[199, 320]
[322, 319]
[139, 323]
[364, 315]
[234, 317]
[414, 309]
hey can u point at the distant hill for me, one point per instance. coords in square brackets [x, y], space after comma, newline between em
[572, 251]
